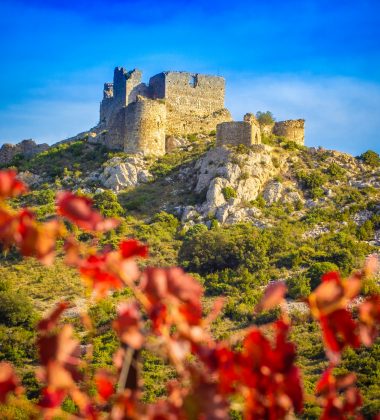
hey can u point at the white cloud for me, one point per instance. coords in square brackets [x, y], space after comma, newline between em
[340, 113]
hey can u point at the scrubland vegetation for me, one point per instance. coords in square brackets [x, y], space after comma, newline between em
[236, 261]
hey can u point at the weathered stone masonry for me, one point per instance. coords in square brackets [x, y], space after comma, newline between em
[136, 117]
[293, 130]
[245, 132]
[249, 132]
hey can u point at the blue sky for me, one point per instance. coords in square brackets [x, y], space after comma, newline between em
[318, 60]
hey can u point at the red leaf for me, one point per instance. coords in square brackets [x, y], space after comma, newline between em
[10, 186]
[97, 271]
[174, 286]
[133, 248]
[79, 211]
[273, 296]
[51, 398]
[50, 321]
[8, 381]
[128, 325]
[59, 356]
[369, 317]
[105, 385]
[9, 228]
[339, 330]
[39, 240]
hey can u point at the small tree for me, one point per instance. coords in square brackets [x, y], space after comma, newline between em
[265, 118]
[371, 158]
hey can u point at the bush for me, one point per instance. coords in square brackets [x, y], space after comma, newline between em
[265, 118]
[108, 204]
[317, 270]
[335, 172]
[370, 158]
[366, 231]
[313, 182]
[15, 309]
[228, 192]
[298, 286]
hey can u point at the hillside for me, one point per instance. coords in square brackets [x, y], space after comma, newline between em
[236, 217]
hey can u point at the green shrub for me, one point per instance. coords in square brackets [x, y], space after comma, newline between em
[265, 118]
[366, 231]
[370, 158]
[290, 145]
[298, 286]
[228, 192]
[108, 204]
[242, 149]
[314, 179]
[335, 172]
[317, 270]
[15, 309]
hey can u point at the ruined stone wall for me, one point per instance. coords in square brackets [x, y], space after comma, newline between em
[123, 91]
[114, 134]
[255, 127]
[145, 127]
[293, 130]
[107, 104]
[183, 124]
[233, 133]
[195, 102]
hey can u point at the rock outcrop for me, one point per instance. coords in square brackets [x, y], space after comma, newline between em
[231, 181]
[120, 174]
[26, 148]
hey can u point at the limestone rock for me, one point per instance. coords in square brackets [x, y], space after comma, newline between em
[173, 143]
[119, 174]
[29, 179]
[243, 174]
[273, 192]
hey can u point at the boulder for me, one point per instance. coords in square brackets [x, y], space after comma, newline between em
[119, 174]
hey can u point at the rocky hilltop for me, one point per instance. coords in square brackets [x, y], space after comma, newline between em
[200, 183]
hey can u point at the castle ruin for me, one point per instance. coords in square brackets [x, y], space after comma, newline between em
[137, 117]
[233, 133]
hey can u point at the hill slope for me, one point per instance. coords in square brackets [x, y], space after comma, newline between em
[237, 218]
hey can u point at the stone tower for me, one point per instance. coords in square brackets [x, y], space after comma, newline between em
[133, 115]
[293, 130]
